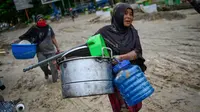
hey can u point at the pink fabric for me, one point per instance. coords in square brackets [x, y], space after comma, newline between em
[117, 101]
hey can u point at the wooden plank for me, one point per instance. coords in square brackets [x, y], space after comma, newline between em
[3, 52]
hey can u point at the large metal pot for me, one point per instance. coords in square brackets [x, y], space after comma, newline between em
[86, 76]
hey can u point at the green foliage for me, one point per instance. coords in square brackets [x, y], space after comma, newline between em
[94, 1]
[117, 1]
[8, 12]
[47, 17]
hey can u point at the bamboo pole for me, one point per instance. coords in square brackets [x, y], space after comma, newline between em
[26, 11]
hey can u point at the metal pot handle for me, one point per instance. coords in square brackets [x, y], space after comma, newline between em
[111, 52]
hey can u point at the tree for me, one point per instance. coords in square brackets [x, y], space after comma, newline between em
[94, 2]
[8, 12]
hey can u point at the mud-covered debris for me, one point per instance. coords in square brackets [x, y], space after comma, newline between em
[144, 16]
[99, 19]
[159, 15]
[95, 19]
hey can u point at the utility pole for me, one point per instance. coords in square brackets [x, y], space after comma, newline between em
[111, 3]
[63, 5]
[69, 4]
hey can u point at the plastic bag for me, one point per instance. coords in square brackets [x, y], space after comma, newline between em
[149, 9]
[24, 42]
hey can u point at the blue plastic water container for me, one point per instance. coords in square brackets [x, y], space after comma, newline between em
[131, 82]
[25, 51]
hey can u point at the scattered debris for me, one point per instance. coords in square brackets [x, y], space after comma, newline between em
[144, 16]
[160, 15]
[174, 7]
[94, 20]
[98, 19]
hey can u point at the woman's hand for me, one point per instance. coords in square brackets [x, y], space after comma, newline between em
[57, 50]
[128, 56]
[116, 59]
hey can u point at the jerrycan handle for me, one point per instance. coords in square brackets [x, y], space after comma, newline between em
[109, 49]
[117, 60]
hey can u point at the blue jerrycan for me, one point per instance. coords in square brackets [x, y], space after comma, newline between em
[131, 82]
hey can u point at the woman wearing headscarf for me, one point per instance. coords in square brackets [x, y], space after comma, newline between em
[42, 35]
[123, 39]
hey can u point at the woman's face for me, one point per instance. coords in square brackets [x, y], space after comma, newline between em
[128, 17]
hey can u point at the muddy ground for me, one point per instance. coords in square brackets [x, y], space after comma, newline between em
[171, 49]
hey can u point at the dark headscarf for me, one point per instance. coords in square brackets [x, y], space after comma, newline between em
[122, 39]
